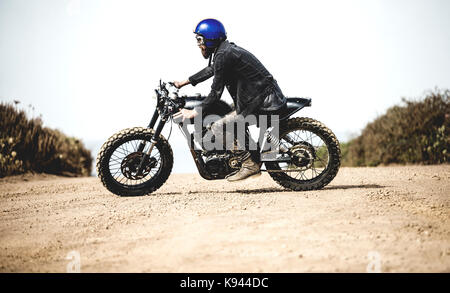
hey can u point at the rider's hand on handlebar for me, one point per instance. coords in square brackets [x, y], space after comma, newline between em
[186, 114]
[180, 84]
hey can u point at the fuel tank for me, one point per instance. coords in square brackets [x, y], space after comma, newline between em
[220, 108]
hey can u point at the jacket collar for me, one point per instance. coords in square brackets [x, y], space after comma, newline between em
[220, 48]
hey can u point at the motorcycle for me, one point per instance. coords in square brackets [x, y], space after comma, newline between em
[304, 154]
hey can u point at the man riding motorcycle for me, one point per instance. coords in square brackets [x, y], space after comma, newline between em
[251, 86]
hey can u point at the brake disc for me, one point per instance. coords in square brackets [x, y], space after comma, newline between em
[130, 165]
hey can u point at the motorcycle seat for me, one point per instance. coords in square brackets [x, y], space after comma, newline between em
[293, 105]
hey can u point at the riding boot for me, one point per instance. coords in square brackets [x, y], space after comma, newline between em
[249, 168]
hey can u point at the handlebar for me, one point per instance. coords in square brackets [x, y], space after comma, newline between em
[168, 99]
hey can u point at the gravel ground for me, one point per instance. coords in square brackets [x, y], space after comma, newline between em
[388, 219]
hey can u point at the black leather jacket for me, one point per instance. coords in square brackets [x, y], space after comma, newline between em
[249, 83]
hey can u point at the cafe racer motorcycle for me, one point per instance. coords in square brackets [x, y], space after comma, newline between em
[304, 153]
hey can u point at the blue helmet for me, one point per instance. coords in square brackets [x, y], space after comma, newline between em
[212, 31]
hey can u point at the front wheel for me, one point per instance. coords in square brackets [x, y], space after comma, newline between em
[314, 155]
[123, 154]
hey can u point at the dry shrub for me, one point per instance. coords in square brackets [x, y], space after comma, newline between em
[25, 145]
[415, 132]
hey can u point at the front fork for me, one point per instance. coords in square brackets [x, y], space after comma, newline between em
[153, 140]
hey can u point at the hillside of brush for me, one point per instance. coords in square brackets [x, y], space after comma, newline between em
[27, 146]
[415, 132]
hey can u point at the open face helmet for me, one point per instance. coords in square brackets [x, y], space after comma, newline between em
[210, 32]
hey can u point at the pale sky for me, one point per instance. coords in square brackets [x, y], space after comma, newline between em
[90, 67]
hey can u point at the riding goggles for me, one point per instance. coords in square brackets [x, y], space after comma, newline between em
[200, 40]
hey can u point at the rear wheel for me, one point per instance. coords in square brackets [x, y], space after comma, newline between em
[120, 157]
[315, 155]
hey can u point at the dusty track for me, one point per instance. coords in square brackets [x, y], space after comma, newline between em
[194, 225]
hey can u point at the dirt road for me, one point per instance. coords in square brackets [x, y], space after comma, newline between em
[389, 219]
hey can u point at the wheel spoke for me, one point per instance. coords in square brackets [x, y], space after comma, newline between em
[310, 146]
[126, 156]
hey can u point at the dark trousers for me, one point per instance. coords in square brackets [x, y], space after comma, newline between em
[232, 132]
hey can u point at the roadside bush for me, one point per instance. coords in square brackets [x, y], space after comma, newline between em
[415, 132]
[25, 145]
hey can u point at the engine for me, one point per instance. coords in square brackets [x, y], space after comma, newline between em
[220, 165]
